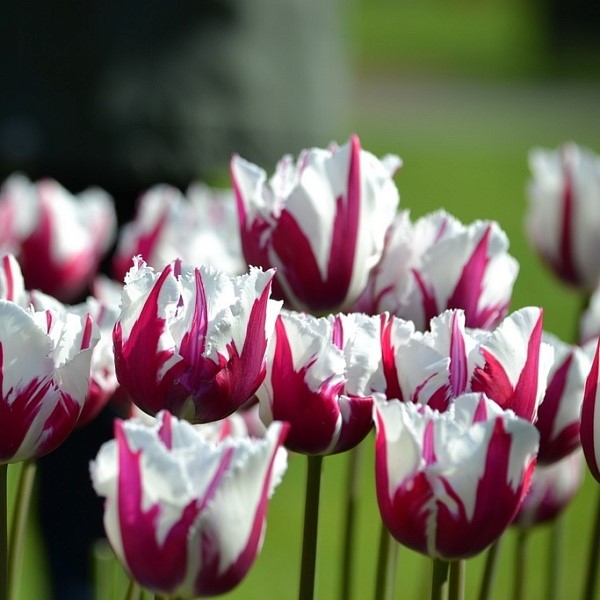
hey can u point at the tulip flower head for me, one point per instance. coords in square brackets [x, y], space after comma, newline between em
[589, 323]
[45, 358]
[560, 412]
[509, 364]
[193, 340]
[552, 488]
[448, 484]
[436, 264]
[321, 375]
[199, 228]
[321, 222]
[563, 221]
[185, 516]
[103, 380]
[589, 429]
[69, 236]
[16, 217]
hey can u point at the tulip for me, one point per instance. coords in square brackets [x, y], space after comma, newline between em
[589, 322]
[62, 252]
[552, 488]
[589, 431]
[245, 423]
[436, 264]
[563, 221]
[559, 413]
[321, 222]
[199, 228]
[16, 218]
[509, 364]
[45, 367]
[12, 285]
[186, 517]
[103, 379]
[193, 340]
[448, 484]
[321, 374]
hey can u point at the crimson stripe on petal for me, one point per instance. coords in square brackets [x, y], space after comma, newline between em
[549, 408]
[313, 415]
[496, 503]
[157, 566]
[139, 362]
[429, 302]
[589, 416]
[392, 389]
[211, 582]
[458, 358]
[469, 288]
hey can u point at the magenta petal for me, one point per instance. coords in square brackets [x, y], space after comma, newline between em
[458, 358]
[553, 449]
[404, 513]
[239, 378]
[312, 415]
[589, 435]
[390, 372]
[139, 362]
[495, 505]
[357, 421]
[469, 288]
[565, 264]
[209, 581]
[493, 381]
[158, 566]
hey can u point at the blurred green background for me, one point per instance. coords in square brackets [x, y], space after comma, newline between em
[461, 90]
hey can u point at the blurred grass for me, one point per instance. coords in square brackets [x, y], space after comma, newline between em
[430, 89]
[487, 39]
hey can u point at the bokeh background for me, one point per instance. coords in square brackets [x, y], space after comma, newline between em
[460, 89]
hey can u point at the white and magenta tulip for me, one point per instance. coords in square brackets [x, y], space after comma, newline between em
[200, 228]
[44, 376]
[448, 484]
[552, 488]
[70, 235]
[16, 215]
[193, 340]
[563, 221]
[321, 222]
[560, 412]
[509, 364]
[12, 285]
[321, 375]
[589, 323]
[103, 379]
[438, 263]
[589, 428]
[185, 516]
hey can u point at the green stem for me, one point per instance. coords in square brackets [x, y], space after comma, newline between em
[3, 532]
[353, 487]
[19, 526]
[392, 569]
[382, 563]
[489, 573]
[554, 578]
[387, 558]
[439, 579]
[593, 556]
[456, 588]
[311, 524]
[133, 591]
[520, 564]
